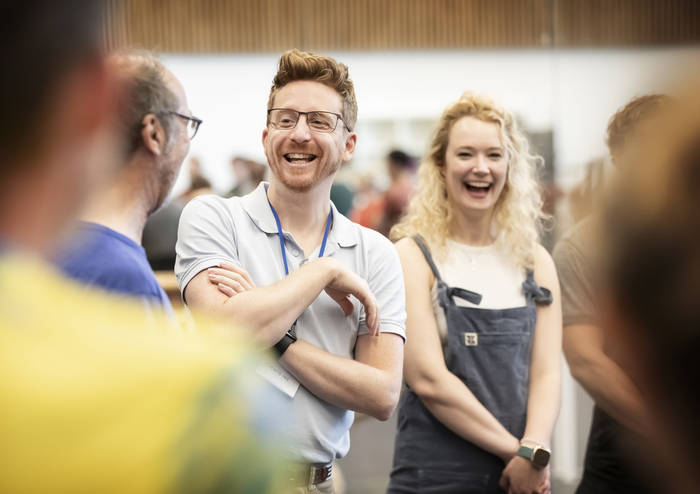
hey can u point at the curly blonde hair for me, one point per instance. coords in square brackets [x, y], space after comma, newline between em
[518, 211]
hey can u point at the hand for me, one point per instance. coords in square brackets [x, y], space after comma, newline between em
[522, 477]
[231, 279]
[345, 283]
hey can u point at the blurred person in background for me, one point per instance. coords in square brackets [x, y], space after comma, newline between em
[482, 365]
[92, 400]
[248, 175]
[402, 172]
[291, 264]
[106, 250]
[651, 311]
[199, 184]
[619, 406]
[381, 211]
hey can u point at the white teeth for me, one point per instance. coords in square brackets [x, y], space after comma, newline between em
[479, 184]
[297, 156]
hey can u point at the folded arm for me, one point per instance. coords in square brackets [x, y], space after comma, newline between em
[271, 310]
[370, 384]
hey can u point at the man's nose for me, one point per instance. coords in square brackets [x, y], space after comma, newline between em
[301, 132]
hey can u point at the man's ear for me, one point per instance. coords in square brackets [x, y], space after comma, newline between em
[153, 134]
[350, 144]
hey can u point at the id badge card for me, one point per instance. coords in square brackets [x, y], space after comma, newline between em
[278, 376]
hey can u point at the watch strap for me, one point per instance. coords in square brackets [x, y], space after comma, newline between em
[525, 452]
[282, 345]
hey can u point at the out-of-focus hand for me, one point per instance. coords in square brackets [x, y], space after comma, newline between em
[521, 477]
[345, 283]
[231, 279]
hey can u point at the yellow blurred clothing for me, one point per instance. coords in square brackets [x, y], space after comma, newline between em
[91, 402]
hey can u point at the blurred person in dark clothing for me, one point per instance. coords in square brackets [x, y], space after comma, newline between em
[620, 408]
[651, 231]
[93, 401]
[106, 248]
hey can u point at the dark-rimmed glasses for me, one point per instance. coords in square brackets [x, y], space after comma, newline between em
[192, 125]
[318, 121]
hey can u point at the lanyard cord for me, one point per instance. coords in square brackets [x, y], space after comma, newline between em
[280, 234]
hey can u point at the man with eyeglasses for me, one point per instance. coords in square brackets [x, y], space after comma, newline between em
[325, 293]
[105, 250]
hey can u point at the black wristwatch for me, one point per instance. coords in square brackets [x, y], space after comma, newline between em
[282, 345]
[538, 455]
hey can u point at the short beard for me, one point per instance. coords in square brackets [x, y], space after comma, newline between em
[313, 181]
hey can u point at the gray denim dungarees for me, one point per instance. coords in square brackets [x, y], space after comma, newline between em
[489, 351]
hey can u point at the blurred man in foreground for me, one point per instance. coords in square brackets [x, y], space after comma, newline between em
[598, 367]
[106, 250]
[92, 402]
[652, 235]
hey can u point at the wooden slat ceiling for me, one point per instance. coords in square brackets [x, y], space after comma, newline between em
[254, 26]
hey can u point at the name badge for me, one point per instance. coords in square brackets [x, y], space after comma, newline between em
[471, 339]
[278, 376]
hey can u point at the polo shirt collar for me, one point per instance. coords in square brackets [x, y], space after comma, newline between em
[343, 233]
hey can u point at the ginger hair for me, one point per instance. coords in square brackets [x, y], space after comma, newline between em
[297, 65]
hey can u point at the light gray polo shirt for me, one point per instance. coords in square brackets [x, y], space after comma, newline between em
[242, 230]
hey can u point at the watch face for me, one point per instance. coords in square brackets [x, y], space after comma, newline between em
[540, 457]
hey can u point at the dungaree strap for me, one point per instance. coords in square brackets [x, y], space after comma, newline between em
[420, 242]
[450, 291]
[534, 292]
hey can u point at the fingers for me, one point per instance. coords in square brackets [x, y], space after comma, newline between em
[346, 304]
[229, 278]
[226, 290]
[239, 270]
[504, 483]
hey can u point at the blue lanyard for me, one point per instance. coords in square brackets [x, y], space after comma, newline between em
[281, 236]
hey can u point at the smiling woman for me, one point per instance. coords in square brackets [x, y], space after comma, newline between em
[483, 337]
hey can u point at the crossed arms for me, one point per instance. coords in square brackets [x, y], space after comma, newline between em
[368, 384]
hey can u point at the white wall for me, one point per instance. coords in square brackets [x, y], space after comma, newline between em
[572, 92]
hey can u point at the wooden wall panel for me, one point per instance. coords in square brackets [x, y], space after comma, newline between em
[581, 23]
[421, 24]
[224, 26]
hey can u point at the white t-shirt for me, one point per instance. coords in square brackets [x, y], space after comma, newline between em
[488, 271]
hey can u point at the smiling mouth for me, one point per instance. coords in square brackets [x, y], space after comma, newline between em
[474, 186]
[299, 158]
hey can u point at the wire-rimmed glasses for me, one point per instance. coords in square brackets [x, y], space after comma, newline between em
[318, 121]
[192, 124]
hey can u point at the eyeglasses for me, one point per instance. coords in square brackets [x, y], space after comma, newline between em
[192, 125]
[318, 121]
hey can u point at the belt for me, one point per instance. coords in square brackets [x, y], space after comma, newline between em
[308, 474]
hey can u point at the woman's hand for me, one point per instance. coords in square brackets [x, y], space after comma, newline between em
[231, 279]
[522, 477]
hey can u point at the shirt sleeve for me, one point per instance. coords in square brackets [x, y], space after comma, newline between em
[206, 236]
[386, 283]
[576, 281]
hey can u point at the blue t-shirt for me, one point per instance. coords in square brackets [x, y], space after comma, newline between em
[102, 257]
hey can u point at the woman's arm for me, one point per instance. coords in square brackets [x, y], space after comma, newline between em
[447, 398]
[544, 401]
[545, 368]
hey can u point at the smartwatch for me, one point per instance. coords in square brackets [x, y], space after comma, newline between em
[538, 455]
[282, 345]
